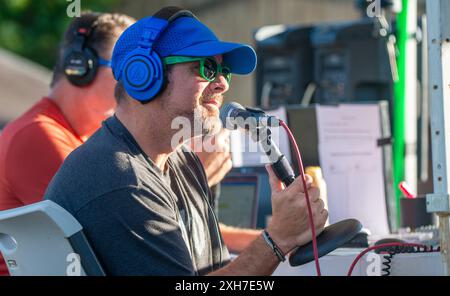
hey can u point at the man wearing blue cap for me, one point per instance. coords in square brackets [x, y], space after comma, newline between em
[141, 196]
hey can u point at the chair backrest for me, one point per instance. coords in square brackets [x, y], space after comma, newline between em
[45, 239]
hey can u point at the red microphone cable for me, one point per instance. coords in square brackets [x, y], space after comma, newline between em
[302, 174]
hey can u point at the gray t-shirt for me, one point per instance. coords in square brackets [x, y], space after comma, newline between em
[138, 219]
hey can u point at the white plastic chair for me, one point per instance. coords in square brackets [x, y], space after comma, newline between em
[45, 239]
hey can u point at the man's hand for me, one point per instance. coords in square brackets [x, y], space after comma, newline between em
[217, 163]
[289, 226]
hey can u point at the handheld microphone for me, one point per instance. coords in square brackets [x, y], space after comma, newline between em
[234, 115]
[256, 122]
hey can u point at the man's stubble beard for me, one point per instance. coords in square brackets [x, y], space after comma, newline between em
[210, 120]
[203, 120]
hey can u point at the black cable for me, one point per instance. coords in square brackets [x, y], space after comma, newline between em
[387, 264]
[406, 249]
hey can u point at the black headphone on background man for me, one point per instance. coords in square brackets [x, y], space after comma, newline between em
[80, 61]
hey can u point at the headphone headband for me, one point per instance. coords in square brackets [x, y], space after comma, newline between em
[171, 13]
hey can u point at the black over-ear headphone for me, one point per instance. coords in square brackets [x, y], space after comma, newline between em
[80, 61]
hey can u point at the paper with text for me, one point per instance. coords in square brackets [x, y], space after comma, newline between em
[352, 164]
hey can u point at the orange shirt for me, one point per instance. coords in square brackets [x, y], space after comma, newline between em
[32, 148]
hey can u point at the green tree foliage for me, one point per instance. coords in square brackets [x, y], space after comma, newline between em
[34, 28]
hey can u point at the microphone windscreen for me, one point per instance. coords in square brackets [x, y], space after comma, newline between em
[226, 110]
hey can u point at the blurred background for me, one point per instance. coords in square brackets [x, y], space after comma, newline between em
[309, 51]
[30, 31]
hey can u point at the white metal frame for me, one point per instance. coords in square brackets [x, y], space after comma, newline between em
[438, 16]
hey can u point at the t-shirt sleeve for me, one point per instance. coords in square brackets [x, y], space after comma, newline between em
[134, 232]
[34, 156]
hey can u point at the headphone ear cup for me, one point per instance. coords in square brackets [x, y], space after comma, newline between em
[143, 74]
[80, 68]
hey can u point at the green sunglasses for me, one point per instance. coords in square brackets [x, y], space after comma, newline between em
[209, 68]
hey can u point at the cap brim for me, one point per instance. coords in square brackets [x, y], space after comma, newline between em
[240, 58]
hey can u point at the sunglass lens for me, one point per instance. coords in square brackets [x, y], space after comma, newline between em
[226, 72]
[210, 69]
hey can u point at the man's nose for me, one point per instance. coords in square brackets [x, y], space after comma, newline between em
[220, 84]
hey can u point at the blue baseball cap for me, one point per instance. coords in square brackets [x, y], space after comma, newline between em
[185, 36]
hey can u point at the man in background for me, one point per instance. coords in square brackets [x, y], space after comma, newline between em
[81, 96]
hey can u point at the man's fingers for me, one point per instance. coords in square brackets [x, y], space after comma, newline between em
[297, 185]
[309, 180]
[275, 183]
[314, 194]
[322, 219]
[218, 172]
[320, 206]
[222, 141]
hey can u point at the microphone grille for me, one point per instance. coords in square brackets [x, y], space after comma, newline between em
[226, 110]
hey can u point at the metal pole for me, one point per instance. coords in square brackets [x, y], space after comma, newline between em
[444, 230]
[425, 122]
[438, 16]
